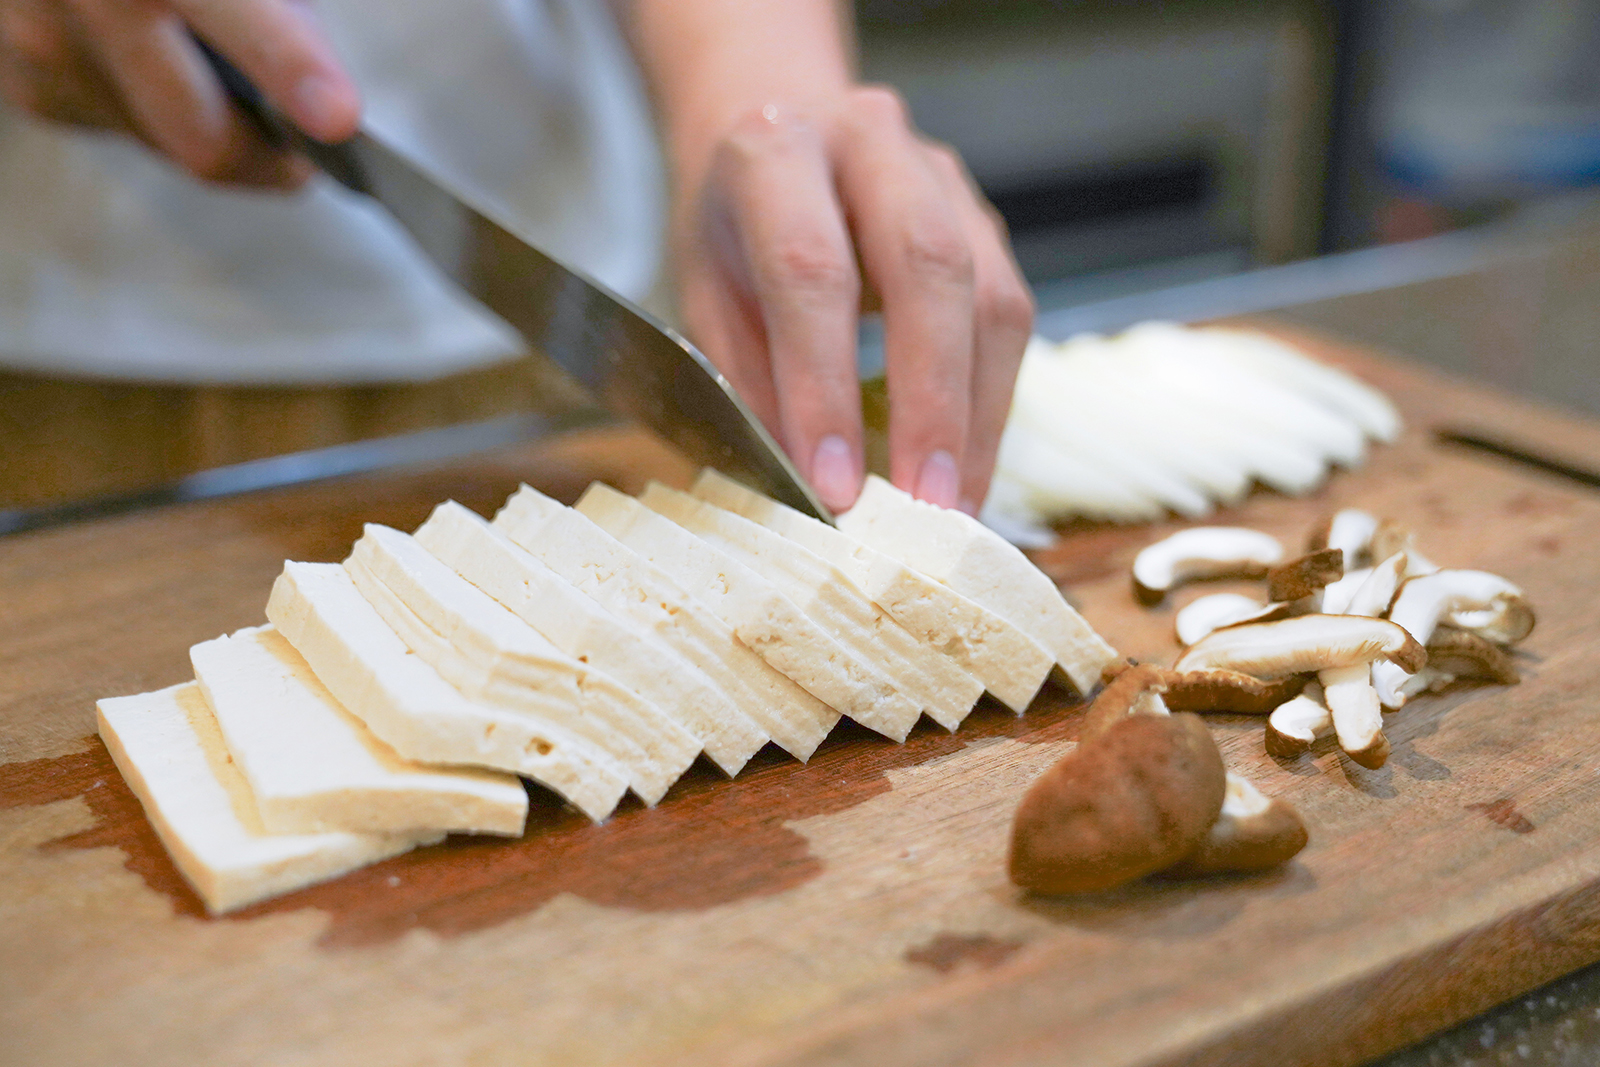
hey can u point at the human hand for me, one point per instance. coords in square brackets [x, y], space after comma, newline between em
[800, 210]
[130, 65]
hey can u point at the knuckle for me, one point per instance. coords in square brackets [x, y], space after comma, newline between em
[754, 135]
[813, 265]
[1005, 305]
[880, 106]
[935, 251]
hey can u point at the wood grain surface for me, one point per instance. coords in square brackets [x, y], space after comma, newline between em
[851, 910]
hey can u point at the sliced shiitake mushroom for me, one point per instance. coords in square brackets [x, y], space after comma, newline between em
[1303, 643]
[1357, 716]
[1202, 552]
[1302, 577]
[1498, 606]
[1296, 724]
[1349, 530]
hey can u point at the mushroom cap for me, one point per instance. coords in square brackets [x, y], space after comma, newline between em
[1303, 643]
[1217, 689]
[1252, 833]
[1202, 552]
[1134, 799]
[1301, 577]
[1463, 654]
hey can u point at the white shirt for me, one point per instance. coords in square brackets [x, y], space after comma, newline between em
[113, 264]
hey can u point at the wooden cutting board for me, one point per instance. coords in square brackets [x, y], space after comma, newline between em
[853, 910]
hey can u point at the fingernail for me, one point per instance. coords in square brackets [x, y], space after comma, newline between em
[833, 473]
[319, 106]
[939, 483]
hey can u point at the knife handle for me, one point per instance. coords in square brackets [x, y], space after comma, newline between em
[338, 160]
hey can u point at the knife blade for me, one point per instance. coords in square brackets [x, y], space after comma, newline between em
[629, 361]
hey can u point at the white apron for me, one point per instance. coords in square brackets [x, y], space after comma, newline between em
[114, 265]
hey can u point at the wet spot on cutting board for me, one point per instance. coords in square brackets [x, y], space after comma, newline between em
[948, 951]
[710, 842]
[1503, 812]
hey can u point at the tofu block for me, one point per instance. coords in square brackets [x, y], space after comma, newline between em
[494, 657]
[972, 559]
[168, 748]
[1009, 663]
[623, 581]
[582, 627]
[765, 620]
[368, 668]
[314, 767]
[936, 684]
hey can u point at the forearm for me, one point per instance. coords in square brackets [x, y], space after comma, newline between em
[711, 62]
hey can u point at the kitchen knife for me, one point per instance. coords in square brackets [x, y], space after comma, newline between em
[628, 360]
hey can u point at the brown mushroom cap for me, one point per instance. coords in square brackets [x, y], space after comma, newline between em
[1464, 654]
[1301, 577]
[1303, 643]
[1135, 798]
[1215, 689]
[1252, 833]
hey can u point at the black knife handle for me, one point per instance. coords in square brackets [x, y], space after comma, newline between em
[338, 160]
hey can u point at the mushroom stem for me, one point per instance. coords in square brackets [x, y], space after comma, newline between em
[1357, 717]
[1423, 602]
[1373, 596]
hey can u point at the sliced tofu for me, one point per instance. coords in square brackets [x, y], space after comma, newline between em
[961, 552]
[760, 616]
[1009, 663]
[368, 668]
[935, 683]
[314, 767]
[170, 752]
[582, 627]
[492, 656]
[622, 580]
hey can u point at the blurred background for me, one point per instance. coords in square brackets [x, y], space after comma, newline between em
[1413, 174]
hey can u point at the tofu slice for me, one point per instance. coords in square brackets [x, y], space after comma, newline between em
[760, 616]
[314, 767]
[935, 683]
[494, 657]
[972, 559]
[1009, 663]
[168, 748]
[622, 580]
[368, 668]
[585, 629]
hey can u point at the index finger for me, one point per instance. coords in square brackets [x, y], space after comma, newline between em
[278, 46]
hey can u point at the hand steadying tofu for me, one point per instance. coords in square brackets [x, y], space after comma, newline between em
[1010, 664]
[933, 680]
[760, 615]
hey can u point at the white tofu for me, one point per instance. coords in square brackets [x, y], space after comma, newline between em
[168, 748]
[619, 578]
[494, 657]
[584, 628]
[935, 683]
[314, 767]
[961, 552]
[760, 616]
[404, 701]
[1010, 664]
